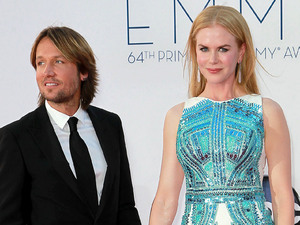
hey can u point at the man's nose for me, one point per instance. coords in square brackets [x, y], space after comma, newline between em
[49, 70]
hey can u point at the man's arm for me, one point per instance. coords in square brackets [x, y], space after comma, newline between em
[11, 180]
[128, 214]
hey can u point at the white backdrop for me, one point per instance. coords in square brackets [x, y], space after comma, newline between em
[139, 46]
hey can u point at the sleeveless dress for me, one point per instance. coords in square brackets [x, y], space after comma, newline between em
[220, 147]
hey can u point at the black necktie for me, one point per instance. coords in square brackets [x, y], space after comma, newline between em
[83, 165]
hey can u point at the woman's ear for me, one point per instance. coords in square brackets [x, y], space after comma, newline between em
[242, 52]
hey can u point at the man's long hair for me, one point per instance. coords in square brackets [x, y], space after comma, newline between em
[75, 49]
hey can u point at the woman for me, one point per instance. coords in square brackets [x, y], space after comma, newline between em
[220, 138]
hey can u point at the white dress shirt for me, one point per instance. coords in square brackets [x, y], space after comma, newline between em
[87, 132]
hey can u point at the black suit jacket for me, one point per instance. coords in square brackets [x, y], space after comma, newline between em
[37, 186]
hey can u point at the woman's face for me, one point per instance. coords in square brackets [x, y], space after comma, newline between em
[218, 54]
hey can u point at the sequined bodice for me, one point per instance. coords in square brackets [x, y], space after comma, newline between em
[220, 147]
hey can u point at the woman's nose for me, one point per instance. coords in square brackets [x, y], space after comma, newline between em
[214, 58]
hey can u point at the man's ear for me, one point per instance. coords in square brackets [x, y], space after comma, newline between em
[83, 76]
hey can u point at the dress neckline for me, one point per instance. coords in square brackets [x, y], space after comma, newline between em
[228, 100]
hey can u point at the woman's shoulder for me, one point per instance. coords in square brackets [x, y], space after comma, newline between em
[270, 105]
[272, 111]
[176, 111]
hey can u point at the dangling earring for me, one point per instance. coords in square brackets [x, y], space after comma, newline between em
[198, 75]
[240, 73]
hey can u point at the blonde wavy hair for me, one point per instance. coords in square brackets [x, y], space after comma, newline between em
[234, 23]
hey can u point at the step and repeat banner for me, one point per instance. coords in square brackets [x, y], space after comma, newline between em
[139, 45]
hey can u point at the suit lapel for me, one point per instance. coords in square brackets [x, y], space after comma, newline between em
[48, 142]
[104, 135]
[46, 139]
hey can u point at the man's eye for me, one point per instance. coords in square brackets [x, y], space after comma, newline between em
[39, 63]
[59, 61]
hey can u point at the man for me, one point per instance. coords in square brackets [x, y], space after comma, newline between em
[53, 170]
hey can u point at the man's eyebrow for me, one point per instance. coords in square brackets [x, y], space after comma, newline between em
[56, 56]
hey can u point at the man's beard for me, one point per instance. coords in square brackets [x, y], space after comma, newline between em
[61, 97]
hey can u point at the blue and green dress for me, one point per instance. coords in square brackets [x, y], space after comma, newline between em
[220, 145]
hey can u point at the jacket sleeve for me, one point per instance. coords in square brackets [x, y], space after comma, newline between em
[127, 213]
[12, 177]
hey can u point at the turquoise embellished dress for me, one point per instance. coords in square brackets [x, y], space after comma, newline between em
[220, 145]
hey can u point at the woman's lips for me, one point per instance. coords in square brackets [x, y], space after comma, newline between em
[213, 70]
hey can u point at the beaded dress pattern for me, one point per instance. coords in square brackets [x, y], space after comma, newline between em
[220, 147]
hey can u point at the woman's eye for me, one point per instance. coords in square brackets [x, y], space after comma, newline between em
[203, 49]
[223, 49]
[59, 61]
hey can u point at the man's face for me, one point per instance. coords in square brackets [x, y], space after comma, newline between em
[58, 79]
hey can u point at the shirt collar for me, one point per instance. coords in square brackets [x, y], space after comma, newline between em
[61, 119]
